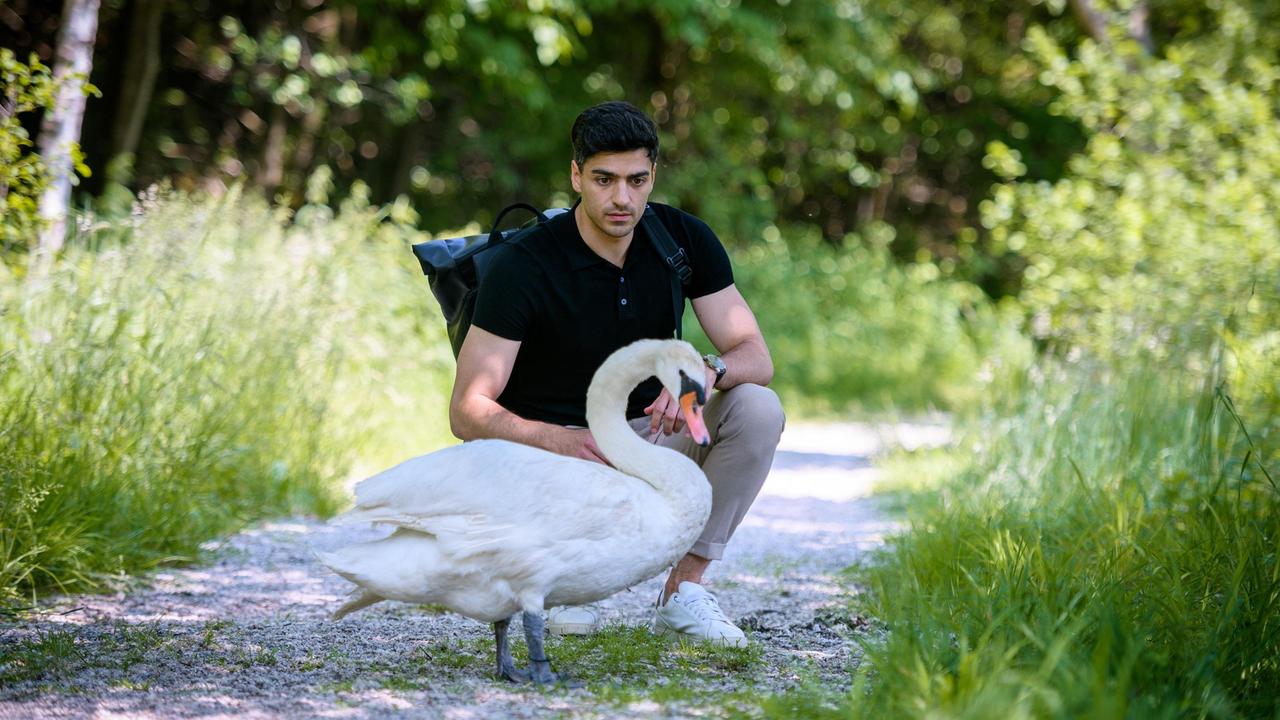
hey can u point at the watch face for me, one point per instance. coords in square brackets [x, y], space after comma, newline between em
[715, 363]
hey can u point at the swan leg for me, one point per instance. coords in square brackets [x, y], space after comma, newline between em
[539, 667]
[507, 666]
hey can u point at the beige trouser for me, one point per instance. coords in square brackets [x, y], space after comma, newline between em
[745, 423]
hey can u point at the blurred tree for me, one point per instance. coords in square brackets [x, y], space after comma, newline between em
[142, 67]
[60, 131]
[842, 115]
[25, 87]
[868, 121]
[1163, 231]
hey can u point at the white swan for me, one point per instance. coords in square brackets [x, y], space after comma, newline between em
[491, 527]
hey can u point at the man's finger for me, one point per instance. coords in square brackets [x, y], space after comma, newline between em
[669, 417]
[660, 407]
[673, 413]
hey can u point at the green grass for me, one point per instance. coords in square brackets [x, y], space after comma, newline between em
[49, 654]
[206, 363]
[623, 653]
[851, 329]
[1106, 548]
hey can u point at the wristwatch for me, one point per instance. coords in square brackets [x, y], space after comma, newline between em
[715, 363]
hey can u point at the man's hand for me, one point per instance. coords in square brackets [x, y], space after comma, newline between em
[664, 412]
[576, 442]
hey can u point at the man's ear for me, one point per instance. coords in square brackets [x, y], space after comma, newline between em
[575, 176]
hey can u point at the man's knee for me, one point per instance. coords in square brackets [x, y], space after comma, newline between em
[757, 407]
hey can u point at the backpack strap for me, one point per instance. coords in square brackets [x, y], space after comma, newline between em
[676, 259]
[496, 235]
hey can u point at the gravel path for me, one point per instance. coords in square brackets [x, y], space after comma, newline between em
[246, 635]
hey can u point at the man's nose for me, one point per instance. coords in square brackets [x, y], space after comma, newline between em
[622, 194]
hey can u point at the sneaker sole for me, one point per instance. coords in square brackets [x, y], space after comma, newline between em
[675, 636]
[571, 629]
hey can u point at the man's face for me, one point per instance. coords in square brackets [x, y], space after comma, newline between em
[614, 189]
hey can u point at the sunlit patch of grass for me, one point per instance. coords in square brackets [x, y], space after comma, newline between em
[622, 664]
[254, 655]
[337, 686]
[54, 655]
[402, 683]
[129, 684]
[49, 654]
[908, 476]
[129, 644]
[1106, 549]
[207, 362]
[211, 630]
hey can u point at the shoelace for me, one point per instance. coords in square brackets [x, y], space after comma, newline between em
[707, 609]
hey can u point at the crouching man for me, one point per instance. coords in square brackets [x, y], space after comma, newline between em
[556, 302]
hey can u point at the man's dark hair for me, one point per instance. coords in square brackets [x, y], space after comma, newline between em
[613, 127]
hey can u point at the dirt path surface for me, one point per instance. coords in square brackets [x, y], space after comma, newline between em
[246, 634]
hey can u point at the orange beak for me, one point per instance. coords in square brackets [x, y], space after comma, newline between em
[692, 410]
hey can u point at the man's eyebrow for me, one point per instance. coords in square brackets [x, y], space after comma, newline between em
[605, 173]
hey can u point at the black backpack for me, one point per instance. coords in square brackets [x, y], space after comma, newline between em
[455, 267]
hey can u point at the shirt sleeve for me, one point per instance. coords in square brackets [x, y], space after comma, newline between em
[712, 271]
[504, 303]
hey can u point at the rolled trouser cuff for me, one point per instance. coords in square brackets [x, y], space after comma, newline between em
[708, 550]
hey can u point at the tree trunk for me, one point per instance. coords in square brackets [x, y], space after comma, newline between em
[60, 131]
[138, 79]
[1094, 22]
[271, 172]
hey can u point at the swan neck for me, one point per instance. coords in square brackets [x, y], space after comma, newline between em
[607, 416]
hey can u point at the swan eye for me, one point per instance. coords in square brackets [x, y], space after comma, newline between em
[688, 385]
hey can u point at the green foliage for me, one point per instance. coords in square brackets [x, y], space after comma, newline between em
[838, 115]
[1164, 226]
[1104, 544]
[1109, 551]
[202, 365]
[24, 87]
[850, 327]
[47, 654]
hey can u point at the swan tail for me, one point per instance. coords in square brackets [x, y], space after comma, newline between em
[359, 599]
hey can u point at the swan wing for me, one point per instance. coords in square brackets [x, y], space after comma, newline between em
[488, 493]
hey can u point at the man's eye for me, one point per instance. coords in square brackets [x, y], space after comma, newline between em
[602, 181]
[638, 181]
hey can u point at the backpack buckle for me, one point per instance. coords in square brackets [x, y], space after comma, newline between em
[680, 264]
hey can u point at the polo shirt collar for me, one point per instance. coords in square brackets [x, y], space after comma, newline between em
[582, 256]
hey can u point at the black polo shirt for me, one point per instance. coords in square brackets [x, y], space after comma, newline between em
[570, 308]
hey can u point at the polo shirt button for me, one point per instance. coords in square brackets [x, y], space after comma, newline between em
[624, 301]
[622, 279]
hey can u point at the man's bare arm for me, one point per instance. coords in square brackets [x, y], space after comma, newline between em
[733, 330]
[484, 367]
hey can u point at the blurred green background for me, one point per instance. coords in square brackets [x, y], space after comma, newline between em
[1056, 221]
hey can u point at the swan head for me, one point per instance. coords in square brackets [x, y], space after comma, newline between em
[681, 371]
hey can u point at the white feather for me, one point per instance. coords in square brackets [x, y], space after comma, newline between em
[490, 527]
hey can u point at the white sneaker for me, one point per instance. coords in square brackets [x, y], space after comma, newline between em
[565, 620]
[692, 612]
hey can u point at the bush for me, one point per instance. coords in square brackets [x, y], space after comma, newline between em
[1109, 551]
[1163, 230]
[850, 328]
[27, 87]
[202, 364]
